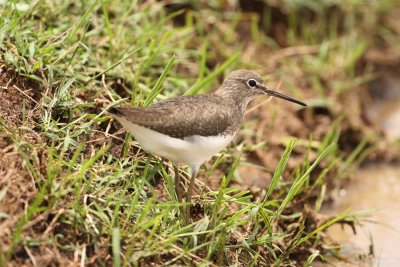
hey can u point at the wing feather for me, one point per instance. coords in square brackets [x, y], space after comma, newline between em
[185, 116]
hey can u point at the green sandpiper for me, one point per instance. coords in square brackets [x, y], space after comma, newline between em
[191, 129]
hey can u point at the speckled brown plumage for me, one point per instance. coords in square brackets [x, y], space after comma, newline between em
[180, 117]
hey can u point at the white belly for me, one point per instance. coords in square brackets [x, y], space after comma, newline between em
[193, 150]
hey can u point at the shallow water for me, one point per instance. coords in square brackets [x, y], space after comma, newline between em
[376, 188]
[384, 110]
[387, 115]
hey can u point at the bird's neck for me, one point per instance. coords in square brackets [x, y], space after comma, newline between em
[238, 97]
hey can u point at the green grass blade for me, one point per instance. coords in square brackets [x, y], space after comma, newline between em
[158, 86]
[116, 247]
[89, 163]
[119, 62]
[83, 19]
[321, 228]
[348, 165]
[299, 182]
[213, 75]
[280, 169]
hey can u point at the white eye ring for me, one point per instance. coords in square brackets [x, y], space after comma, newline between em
[252, 83]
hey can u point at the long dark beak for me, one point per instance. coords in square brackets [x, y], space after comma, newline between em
[276, 94]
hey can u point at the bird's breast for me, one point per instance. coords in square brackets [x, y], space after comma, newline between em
[192, 150]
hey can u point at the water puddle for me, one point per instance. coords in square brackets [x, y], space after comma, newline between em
[384, 110]
[376, 188]
[387, 115]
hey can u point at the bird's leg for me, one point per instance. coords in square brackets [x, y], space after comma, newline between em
[205, 183]
[178, 191]
[178, 187]
[190, 190]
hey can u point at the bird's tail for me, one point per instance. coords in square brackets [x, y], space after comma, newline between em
[115, 111]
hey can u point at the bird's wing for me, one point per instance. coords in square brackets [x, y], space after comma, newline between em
[182, 116]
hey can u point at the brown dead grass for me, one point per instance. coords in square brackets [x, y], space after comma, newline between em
[20, 99]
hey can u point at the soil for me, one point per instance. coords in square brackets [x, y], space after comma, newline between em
[20, 99]
[19, 107]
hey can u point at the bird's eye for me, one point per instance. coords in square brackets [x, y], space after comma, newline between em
[252, 82]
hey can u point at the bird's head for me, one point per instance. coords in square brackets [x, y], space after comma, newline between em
[244, 84]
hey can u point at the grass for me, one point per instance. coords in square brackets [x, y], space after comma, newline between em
[98, 199]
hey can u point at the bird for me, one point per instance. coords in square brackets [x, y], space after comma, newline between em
[191, 129]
